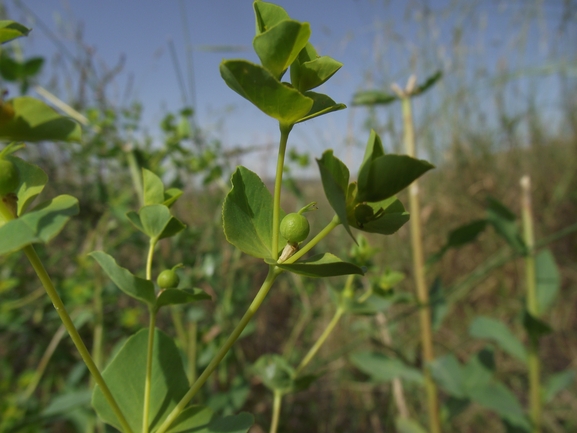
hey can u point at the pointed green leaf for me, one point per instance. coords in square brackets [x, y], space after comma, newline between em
[154, 219]
[32, 66]
[247, 214]
[125, 377]
[35, 121]
[335, 179]
[407, 425]
[11, 30]
[557, 383]
[32, 181]
[448, 373]
[373, 149]
[479, 370]
[180, 296]
[387, 175]
[496, 331]
[40, 225]
[310, 70]
[133, 286]
[460, 236]
[278, 46]
[173, 227]
[171, 195]
[268, 15]
[427, 84]
[373, 97]
[200, 419]
[548, 280]
[381, 368]
[322, 265]
[153, 188]
[389, 216]
[322, 104]
[260, 87]
[503, 221]
[134, 218]
[535, 327]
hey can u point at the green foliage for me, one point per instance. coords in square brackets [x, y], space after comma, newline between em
[322, 265]
[382, 368]
[10, 30]
[494, 330]
[548, 280]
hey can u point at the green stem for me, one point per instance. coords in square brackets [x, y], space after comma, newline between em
[348, 293]
[276, 405]
[148, 378]
[273, 273]
[419, 274]
[192, 337]
[151, 247]
[73, 332]
[310, 244]
[284, 133]
[533, 361]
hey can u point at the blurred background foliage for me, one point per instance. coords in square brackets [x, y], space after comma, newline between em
[488, 122]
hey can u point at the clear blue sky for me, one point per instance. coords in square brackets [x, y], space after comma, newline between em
[351, 31]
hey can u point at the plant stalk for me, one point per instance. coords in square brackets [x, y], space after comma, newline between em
[273, 273]
[276, 405]
[419, 274]
[73, 332]
[310, 244]
[533, 361]
[148, 378]
[284, 134]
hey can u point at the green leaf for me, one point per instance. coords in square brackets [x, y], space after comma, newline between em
[197, 419]
[275, 372]
[171, 195]
[153, 188]
[438, 302]
[173, 227]
[407, 425]
[61, 404]
[11, 30]
[458, 237]
[387, 175]
[322, 265]
[268, 15]
[535, 328]
[498, 398]
[35, 121]
[32, 66]
[384, 369]
[133, 286]
[32, 181]
[40, 225]
[548, 280]
[247, 214]
[259, 86]
[448, 373]
[180, 296]
[427, 84]
[322, 104]
[479, 370]
[335, 179]
[503, 220]
[557, 383]
[154, 219]
[373, 97]
[279, 46]
[496, 331]
[389, 216]
[373, 149]
[125, 377]
[310, 70]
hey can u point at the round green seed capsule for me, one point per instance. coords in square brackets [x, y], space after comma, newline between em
[294, 228]
[9, 177]
[168, 279]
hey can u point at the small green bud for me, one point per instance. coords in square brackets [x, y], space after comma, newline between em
[168, 279]
[9, 177]
[294, 228]
[363, 213]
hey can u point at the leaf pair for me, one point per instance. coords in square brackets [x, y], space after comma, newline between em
[369, 204]
[247, 223]
[280, 43]
[42, 223]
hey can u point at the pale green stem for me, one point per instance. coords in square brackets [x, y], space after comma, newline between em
[148, 378]
[276, 405]
[151, 247]
[532, 306]
[419, 275]
[284, 133]
[310, 244]
[192, 337]
[77, 340]
[273, 273]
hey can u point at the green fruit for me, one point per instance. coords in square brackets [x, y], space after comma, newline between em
[9, 177]
[363, 213]
[294, 227]
[168, 279]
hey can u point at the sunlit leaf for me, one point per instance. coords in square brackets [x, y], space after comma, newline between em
[11, 30]
[153, 188]
[268, 15]
[310, 70]
[322, 265]
[322, 104]
[32, 182]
